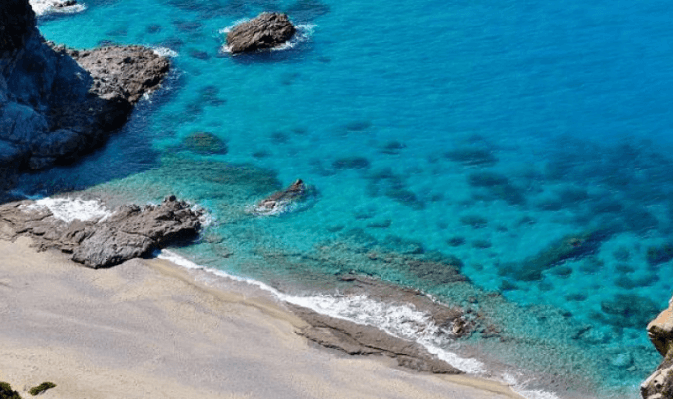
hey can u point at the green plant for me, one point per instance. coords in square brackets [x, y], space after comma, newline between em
[41, 388]
[6, 392]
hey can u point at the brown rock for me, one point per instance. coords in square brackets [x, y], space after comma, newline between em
[659, 385]
[265, 31]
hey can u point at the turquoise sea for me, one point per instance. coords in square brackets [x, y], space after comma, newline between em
[530, 141]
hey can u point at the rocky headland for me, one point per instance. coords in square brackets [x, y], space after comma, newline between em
[57, 103]
[267, 30]
[130, 232]
[659, 385]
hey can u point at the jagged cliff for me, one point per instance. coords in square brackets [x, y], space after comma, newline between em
[659, 385]
[57, 103]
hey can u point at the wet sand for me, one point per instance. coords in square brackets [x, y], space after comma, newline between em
[148, 329]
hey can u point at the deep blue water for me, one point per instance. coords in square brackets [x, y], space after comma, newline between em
[487, 130]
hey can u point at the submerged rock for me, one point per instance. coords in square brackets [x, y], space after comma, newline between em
[570, 247]
[205, 143]
[285, 200]
[659, 385]
[265, 31]
[130, 232]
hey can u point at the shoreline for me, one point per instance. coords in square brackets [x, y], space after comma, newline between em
[171, 333]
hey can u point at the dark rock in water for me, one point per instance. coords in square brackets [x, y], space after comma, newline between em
[497, 187]
[351, 163]
[205, 143]
[261, 154]
[266, 31]
[487, 179]
[561, 271]
[472, 157]
[630, 283]
[130, 232]
[571, 247]
[56, 103]
[280, 138]
[660, 254]
[199, 55]
[403, 246]
[456, 241]
[639, 220]
[393, 148]
[358, 126]
[153, 29]
[632, 311]
[283, 201]
[405, 197]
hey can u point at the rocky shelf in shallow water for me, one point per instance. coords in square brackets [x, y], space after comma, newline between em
[130, 232]
[56, 103]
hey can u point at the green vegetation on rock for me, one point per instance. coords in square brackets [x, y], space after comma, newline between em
[41, 388]
[6, 392]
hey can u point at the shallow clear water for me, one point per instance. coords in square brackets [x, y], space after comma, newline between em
[486, 130]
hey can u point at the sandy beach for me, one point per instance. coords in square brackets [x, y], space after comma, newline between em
[148, 328]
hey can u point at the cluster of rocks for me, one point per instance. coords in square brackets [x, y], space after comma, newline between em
[130, 232]
[659, 385]
[57, 103]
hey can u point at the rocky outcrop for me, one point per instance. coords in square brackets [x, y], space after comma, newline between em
[659, 385]
[55, 103]
[17, 21]
[265, 31]
[358, 339]
[283, 201]
[130, 232]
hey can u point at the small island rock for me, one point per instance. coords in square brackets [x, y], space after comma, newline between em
[265, 31]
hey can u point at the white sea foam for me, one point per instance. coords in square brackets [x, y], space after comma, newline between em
[402, 321]
[164, 52]
[303, 34]
[69, 209]
[519, 387]
[43, 7]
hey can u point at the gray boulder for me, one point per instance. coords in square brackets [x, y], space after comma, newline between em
[131, 232]
[265, 31]
[56, 103]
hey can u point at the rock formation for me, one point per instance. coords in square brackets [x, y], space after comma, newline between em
[357, 339]
[265, 31]
[55, 103]
[659, 385]
[283, 201]
[130, 232]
